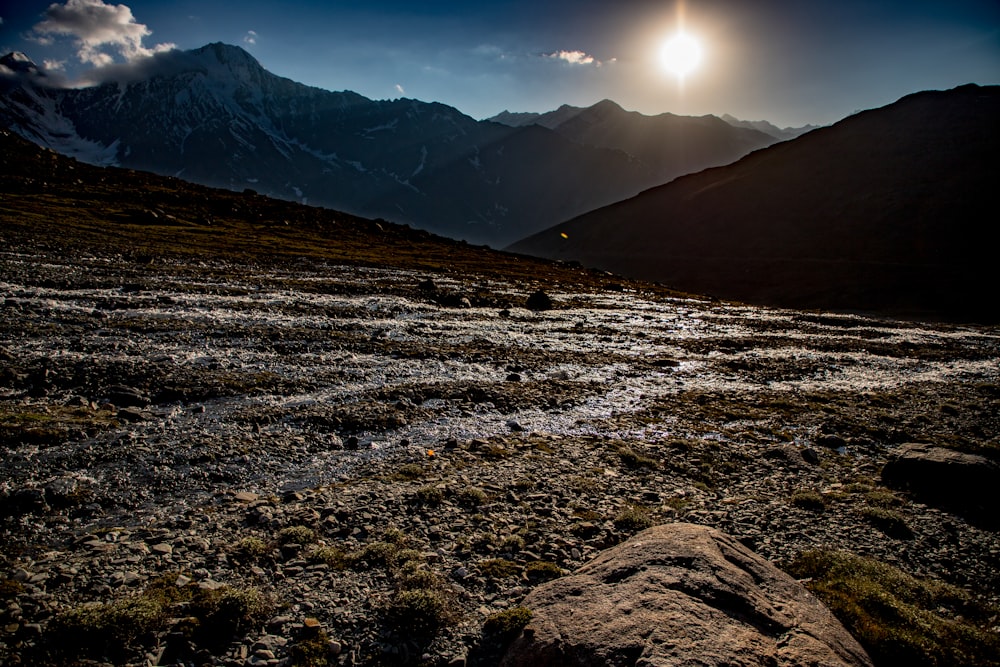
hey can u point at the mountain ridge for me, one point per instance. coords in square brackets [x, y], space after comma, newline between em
[215, 116]
[883, 211]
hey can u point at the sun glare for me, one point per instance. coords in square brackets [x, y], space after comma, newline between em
[681, 54]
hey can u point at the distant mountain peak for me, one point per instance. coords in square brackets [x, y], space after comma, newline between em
[768, 128]
[18, 62]
[607, 104]
[227, 54]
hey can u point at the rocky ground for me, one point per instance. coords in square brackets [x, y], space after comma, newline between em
[240, 432]
[328, 435]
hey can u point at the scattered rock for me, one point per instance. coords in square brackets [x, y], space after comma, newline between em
[127, 397]
[674, 592]
[539, 301]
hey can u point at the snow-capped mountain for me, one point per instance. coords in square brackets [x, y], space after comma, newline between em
[215, 116]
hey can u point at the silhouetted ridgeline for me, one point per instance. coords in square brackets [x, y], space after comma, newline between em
[891, 210]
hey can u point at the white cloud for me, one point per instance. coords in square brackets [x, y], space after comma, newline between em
[250, 37]
[399, 89]
[573, 57]
[54, 65]
[97, 26]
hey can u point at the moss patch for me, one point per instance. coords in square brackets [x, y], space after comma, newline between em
[899, 619]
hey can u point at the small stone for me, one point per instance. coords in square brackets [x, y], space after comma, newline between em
[539, 301]
[162, 548]
[245, 496]
[133, 415]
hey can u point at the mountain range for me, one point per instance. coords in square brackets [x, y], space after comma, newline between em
[890, 210]
[215, 116]
[672, 145]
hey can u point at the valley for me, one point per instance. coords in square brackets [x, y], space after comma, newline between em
[352, 430]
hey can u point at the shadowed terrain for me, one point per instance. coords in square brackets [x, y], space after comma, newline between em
[890, 210]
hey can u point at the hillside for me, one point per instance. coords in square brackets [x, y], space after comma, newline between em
[889, 210]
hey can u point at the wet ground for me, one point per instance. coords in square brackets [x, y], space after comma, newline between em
[259, 379]
[137, 396]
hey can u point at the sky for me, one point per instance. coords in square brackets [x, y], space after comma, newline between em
[791, 62]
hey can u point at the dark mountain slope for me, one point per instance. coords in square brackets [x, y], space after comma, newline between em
[53, 202]
[892, 209]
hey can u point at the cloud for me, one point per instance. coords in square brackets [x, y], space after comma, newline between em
[572, 57]
[250, 37]
[578, 58]
[95, 27]
[54, 65]
[399, 89]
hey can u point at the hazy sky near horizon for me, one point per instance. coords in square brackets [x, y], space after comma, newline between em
[791, 62]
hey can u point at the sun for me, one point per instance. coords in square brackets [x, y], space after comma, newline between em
[681, 54]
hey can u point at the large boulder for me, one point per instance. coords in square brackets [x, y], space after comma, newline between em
[967, 483]
[680, 594]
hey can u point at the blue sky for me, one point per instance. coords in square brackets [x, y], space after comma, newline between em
[791, 62]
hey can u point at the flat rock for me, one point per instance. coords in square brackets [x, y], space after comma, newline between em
[680, 594]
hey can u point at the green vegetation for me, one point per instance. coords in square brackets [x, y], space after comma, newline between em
[296, 535]
[109, 629]
[499, 568]
[382, 554]
[633, 519]
[10, 589]
[512, 543]
[44, 425]
[471, 496]
[253, 547]
[429, 495]
[311, 651]
[508, 623]
[542, 570]
[408, 472]
[332, 556]
[421, 611]
[883, 498]
[899, 619]
[809, 499]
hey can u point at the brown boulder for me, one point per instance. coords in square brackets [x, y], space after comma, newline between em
[964, 482]
[680, 594]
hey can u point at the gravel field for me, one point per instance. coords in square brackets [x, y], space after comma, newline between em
[335, 438]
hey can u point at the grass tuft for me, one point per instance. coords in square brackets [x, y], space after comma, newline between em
[808, 499]
[899, 619]
[508, 623]
[633, 518]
